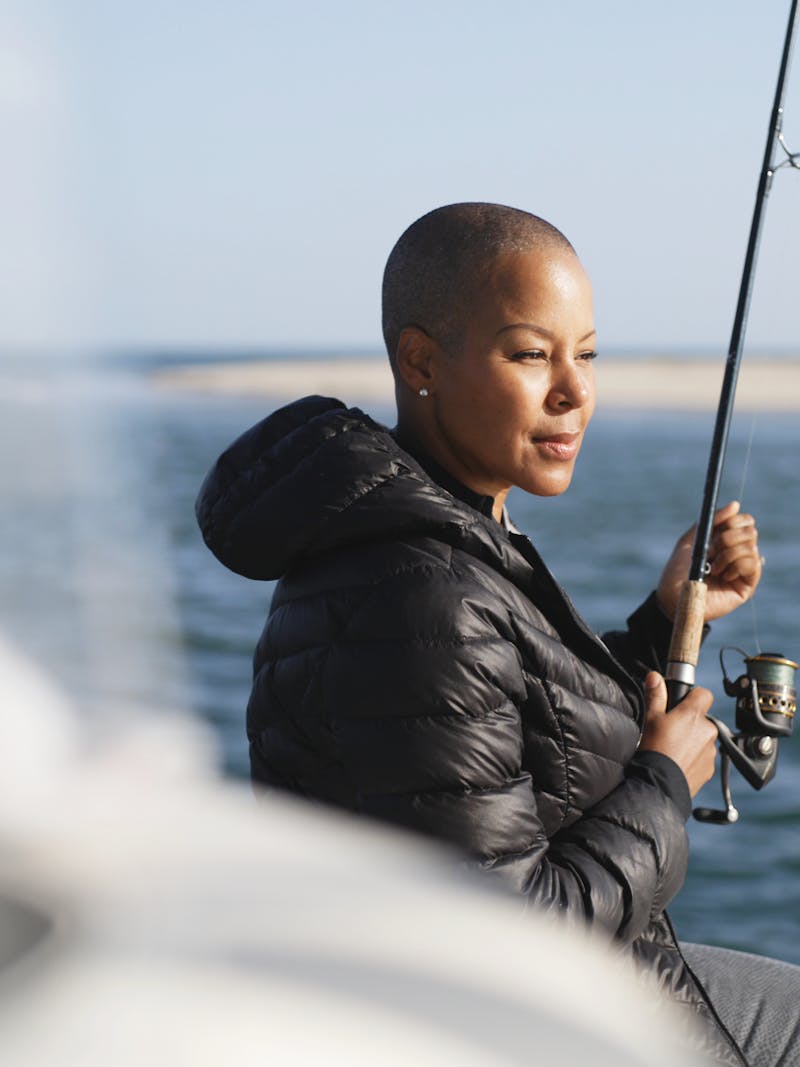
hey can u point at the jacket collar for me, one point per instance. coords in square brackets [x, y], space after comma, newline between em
[483, 504]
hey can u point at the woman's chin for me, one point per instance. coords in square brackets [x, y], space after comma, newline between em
[553, 484]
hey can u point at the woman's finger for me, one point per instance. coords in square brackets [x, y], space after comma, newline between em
[727, 512]
[734, 523]
[722, 515]
[731, 527]
[746, 557]
[740, 535]
[748, 571]
[742, 546]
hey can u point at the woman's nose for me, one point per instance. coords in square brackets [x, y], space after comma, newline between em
[569, 387]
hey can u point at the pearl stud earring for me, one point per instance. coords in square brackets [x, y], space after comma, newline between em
[423, 392]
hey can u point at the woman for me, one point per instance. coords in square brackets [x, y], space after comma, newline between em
[419, 663]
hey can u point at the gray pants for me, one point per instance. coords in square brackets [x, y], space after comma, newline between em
[758, 1000]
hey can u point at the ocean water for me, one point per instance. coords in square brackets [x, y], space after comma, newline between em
[105, 582]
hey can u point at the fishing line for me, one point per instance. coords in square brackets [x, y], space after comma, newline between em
[754, 614]
[748, 450]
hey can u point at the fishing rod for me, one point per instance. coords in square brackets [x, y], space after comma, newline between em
[766, 698]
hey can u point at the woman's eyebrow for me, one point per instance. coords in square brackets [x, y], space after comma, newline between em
[541, 330]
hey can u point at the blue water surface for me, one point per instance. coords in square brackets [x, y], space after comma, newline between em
[106, 581]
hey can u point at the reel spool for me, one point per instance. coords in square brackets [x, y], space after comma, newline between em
[766, 700]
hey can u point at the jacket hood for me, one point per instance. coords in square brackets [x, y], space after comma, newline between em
[316, 476]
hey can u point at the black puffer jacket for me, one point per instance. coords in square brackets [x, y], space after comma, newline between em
[420, 664]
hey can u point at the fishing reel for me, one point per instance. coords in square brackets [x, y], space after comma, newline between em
[766, 700]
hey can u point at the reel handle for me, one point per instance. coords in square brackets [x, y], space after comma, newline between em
[730, 814]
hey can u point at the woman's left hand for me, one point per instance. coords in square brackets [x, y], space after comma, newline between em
[735, 564]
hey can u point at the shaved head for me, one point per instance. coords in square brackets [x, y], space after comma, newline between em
[439, 264]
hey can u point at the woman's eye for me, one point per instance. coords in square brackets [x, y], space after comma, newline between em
[587, 355]
[528, 354]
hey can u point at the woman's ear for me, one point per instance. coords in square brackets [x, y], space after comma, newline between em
[415, 360]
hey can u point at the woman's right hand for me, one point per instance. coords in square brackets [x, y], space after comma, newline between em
[684, 734]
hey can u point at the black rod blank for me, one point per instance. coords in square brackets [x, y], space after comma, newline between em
[687, 628]
[719, 442]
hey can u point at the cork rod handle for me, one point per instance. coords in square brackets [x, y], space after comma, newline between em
[687, 633]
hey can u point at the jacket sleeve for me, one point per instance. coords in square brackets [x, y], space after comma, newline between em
[644, 645]
[427, 723]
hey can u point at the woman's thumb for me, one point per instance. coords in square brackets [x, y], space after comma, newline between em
[655, 691]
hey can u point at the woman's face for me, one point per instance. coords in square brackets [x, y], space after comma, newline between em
[510, 407]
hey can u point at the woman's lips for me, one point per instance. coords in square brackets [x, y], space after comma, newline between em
[560, 445]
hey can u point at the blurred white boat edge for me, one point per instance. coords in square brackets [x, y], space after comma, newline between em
[181, 922]
[637, 383]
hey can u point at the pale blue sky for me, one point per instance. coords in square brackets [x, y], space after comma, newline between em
[236, 173]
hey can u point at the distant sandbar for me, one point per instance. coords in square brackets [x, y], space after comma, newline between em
[658, 383]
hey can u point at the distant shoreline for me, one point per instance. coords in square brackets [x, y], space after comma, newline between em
[651, 383]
